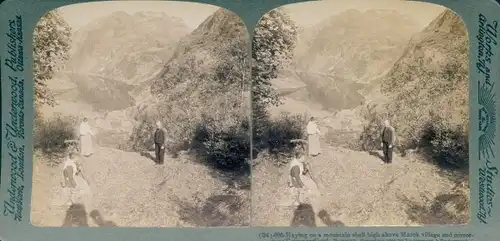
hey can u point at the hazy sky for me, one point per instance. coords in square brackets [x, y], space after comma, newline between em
[314, 12]
[78, 15]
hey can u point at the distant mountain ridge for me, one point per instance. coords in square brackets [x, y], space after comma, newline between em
[355, 45]
[126, 46]
[338, 59]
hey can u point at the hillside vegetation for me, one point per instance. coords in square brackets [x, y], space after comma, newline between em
[200, 97]
[428, 89]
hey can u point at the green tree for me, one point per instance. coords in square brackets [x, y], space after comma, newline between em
[272, 48]
[51, 44]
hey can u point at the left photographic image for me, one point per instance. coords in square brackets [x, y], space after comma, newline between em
[141, 116]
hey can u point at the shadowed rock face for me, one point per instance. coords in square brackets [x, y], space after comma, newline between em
[124, 46]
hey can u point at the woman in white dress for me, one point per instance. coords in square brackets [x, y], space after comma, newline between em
[86, 134]
[313, 134]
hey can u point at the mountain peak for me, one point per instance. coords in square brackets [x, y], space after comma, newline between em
[448, 21]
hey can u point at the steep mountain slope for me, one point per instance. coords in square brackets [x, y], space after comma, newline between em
[430, 81]
[203, 82]
[124, 46]
[356, 45]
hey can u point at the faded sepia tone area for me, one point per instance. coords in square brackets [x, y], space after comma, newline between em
[142, 116]
[360, 118]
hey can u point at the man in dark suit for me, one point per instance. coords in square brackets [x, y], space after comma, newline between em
[159, 140]
[387, 141]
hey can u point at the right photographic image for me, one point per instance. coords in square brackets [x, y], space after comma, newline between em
[360, 113]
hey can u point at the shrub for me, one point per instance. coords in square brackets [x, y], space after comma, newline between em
[225, 148]
[369, 138]
[51, 45]
[275, 135]
[49, 135]
[445, 143]
[141, 138]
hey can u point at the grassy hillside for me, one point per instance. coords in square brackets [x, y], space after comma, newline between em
[428, 92]
[200, 95]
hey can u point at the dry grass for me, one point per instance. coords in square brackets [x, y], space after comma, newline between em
[131, 191]
[357, 189]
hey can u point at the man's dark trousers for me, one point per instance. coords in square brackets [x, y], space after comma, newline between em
[160, 153]
[387, 152]
[159, 140]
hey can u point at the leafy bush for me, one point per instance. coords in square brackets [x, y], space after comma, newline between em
[445, 143]
[49, 135]
[442, 142]
[369, 138]
[226, 148]
[275, 135]
[141, 137]
[51, 44]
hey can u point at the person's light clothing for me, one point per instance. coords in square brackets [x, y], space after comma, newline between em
[313, 138]
[86, 134]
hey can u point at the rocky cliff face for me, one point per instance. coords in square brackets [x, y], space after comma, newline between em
[126, 46]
